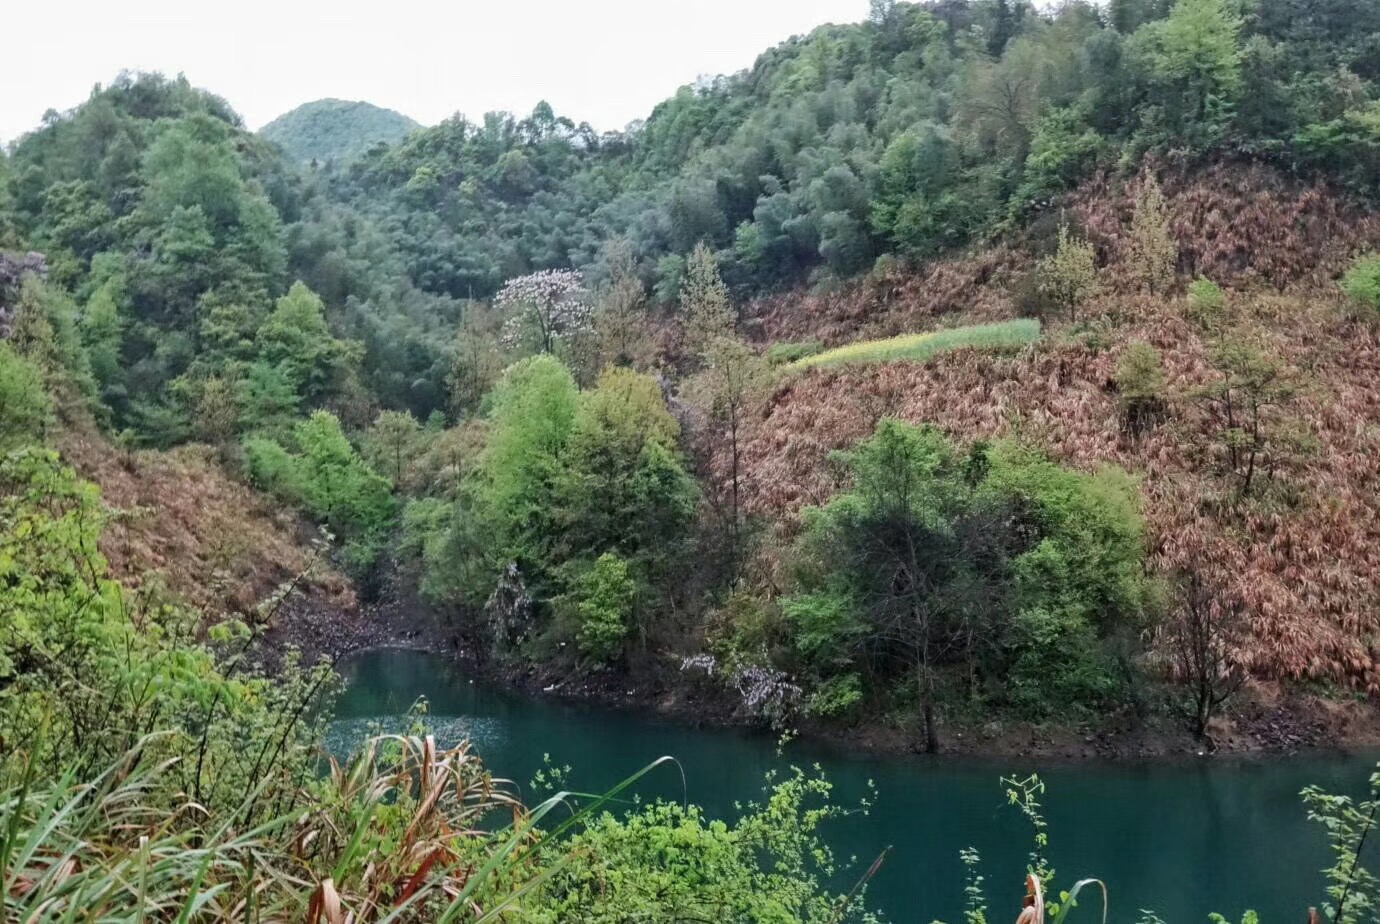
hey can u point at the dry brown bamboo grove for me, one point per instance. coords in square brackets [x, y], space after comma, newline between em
[1302, 555]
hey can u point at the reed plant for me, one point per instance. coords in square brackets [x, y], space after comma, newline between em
[405, 831]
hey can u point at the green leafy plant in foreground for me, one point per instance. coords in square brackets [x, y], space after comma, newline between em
[401, 833]
[406, 832]
[1349, 825]
[1024, 794]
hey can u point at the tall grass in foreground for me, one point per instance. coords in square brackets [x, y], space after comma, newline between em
[401, 833]
[918, 347]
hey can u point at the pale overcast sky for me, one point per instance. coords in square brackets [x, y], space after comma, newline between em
[602, 61]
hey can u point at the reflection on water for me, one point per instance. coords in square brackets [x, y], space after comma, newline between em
[487, 734]
[1182, 838]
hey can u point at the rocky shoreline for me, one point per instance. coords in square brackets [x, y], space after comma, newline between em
[1267, 721]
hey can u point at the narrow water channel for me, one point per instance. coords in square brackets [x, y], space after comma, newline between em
[1182, 838]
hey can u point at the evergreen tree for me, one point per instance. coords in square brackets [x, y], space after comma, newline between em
[705, 309]
[1154, 252]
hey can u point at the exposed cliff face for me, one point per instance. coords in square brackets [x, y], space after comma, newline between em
[1303, 556]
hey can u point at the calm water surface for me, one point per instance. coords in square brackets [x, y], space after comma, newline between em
[1182, 838]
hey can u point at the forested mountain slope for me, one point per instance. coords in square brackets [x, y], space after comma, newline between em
[575, 387]
[977, 376]
[336, 130]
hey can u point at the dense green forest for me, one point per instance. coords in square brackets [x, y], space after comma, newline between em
[526, 371]
[923, 130]
[335, 130]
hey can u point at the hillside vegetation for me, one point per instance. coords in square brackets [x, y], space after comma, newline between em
[541, 371]
[972, 367]
[920, 347]
[335, 130]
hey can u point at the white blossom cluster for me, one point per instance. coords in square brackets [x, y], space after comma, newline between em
[700, 662]
[767, 693]
[555, 301]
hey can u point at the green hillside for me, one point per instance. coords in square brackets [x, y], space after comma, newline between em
[335, 129]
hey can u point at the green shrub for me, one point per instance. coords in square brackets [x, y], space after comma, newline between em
[825, 624]
[1206, 302]
[782, 354]
[836, 697]
[746, 629]
[1057, 665]
[533, 414]
[941, 566]
[604, 596]
[668, 862]
[87, 667]
[1062, 149]
[328, 478]
[25, 408]
[271, 468]
[1141, 386]
[1068, 277]
[1362, 282]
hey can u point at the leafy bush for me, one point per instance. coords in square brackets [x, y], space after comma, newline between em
[836, 697]
[1068, 277]
[994, 560]
[328, 478]
[296, 339]
[604, 595]
[1057, 663]
[25, 408]
[1141, 383]
[783, 354]
[669, 862]
[1062, 150]
[1362, 282]
[1154, 252]
[88, 666]
[1206, 302]
[422, 539]
[533, 412]
[271, 467]
[746, 629]
[826, 625]
[919, 347]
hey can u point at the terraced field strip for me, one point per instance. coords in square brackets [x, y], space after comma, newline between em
[921, 346]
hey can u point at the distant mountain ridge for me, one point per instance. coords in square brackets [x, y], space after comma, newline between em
[336, 129]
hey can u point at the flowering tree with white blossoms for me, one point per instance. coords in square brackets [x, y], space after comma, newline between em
[554, 304]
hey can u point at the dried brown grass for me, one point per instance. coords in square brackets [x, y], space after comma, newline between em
[179, 518]
[1307, 567]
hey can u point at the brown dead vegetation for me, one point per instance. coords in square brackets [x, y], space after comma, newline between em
[1303, 558]
[895, 302]
[1242, 226]
[178, 518]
